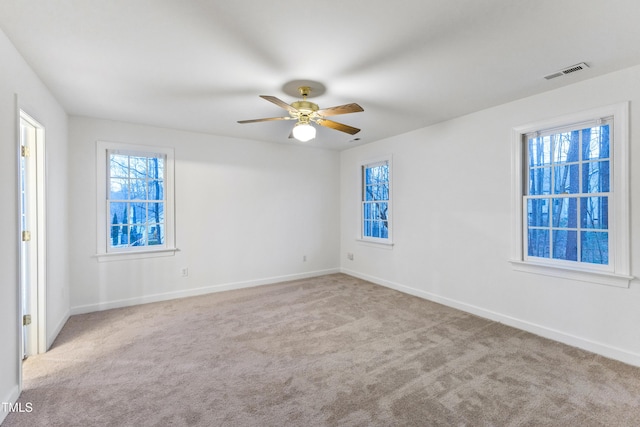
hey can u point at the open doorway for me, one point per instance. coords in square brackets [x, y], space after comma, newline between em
[32, 236]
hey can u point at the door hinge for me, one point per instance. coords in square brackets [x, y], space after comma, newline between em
[26, 319]
[25, 151]
[26, 236]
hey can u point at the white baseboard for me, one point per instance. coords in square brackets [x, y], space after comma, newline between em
[543, 331]
[53, 333]
[11, 398]
[107, 305]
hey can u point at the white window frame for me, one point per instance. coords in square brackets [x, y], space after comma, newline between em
[618, 270]
[103, 219]
[388, 241]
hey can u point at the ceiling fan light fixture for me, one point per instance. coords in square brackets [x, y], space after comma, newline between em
[305, 113]
[304, 132]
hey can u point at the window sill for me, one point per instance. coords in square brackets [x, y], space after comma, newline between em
[376, 243]
[119, 256]
[599, 277]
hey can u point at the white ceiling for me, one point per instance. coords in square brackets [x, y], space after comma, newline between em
[200, 65]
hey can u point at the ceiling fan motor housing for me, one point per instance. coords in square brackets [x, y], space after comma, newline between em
[304, 107]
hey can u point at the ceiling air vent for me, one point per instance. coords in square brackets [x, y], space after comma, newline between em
[572, 69]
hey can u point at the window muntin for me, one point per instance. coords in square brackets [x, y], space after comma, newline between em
[568, 193]
[135, 199]
[376, 201]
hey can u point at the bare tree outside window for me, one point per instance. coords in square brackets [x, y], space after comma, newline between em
[375, 200]
[568, 195]
[135, 199]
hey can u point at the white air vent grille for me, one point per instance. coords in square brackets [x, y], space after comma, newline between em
[572, 69]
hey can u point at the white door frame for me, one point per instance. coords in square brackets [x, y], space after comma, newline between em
[32, 270]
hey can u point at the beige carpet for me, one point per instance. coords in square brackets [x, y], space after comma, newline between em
[334, 351]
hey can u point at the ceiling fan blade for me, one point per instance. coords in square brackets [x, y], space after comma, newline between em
[280, 103]
[270, 119]
[338, 126]
[340, 109]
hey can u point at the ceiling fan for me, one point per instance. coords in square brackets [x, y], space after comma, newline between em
[306, 112]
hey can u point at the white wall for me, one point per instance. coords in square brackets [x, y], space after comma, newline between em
[16, 78]
[246, 214]
[452, 195]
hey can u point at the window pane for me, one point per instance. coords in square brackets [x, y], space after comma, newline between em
[138, 167]
[368, 179]
[156, 190]
[368, 211]
[383, 192]
[114, 232]
[371, 176]
[565, 212]
[565, 245]
[375, 211]
[138, 189]
[538, 212]
[383, 229]
[595, 143]
[377, 174]
[367, 228]
[370, 192]
[381, 210]
[566, 179]
[156, 168]
[138, 213]
[376, 229]
[595, 177]
[594, 212]
[119, 165]
[117, 212]
[156, 235]
[119, 189]
[137, 235]
[539, 181]
[566, 146]
[538, 243]
[376, 192]
[156, 212]
[539, 151]
[120, 219]
[595, 247]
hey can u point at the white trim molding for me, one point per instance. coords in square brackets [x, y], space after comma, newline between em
[165, 296]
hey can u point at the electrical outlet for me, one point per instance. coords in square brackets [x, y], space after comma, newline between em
[184, 272]
[304, 258]
[350, 256]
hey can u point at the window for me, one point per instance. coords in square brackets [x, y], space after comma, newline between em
[135, 193]
[571, 197]
[376, 201]
[568, 192]
[135, 199]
